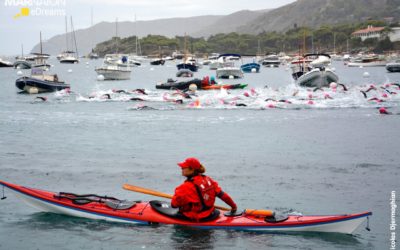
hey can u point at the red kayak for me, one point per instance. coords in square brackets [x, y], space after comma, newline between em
[111, 209]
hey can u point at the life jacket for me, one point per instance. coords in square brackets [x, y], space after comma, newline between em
[206, 191]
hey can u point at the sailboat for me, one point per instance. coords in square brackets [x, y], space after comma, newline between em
[40, 59]
[115, 66]
[188, 62]
[69, 56]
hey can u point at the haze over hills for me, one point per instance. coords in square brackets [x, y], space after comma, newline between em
[312, 13]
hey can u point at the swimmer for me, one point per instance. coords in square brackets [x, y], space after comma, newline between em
[42, 98]
[318, 88]
[372, 87]
[240, 105]
[384, 111]
[136, 99]
[327, 96]
[140, 91]
[119, 91]
[143, 107]
[343, 86]
[376, 99]
[106, 96]
[365, 94]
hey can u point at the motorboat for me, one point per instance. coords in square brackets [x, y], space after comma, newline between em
[157, 61]
[393, 66]
[312, 70]
[184, 73]
[40, 61]
[190, 64]
[250, 67]
[115, 67]
[114, 72]
[228, 69]
[367, 61]
[68, 57]
[271, 61]
[4, 63]
[40, 82]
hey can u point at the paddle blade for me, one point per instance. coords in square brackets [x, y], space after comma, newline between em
[146, 191]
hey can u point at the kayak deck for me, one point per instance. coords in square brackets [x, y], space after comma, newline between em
[143, 213]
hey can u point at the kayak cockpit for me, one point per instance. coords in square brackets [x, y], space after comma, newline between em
[165, 208]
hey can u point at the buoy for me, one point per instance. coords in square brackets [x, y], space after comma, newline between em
[333, 69]
[192, 87]
[100, 78]
[231, 77]
[361, 67]
[151, 68]
[19, 73]
[70, 71]
[87, 63]
[365, 74]
[253, 70]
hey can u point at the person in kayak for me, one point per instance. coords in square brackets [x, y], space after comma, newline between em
[195, 198]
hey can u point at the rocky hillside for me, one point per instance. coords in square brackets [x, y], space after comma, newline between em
[315, 13]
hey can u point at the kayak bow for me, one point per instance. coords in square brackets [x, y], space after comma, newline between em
[112, 209]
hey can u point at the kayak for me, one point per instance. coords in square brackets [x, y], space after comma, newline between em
[224, 86]
[107, 208]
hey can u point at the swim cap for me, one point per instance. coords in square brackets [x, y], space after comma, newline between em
[191, 162]
[382, 110]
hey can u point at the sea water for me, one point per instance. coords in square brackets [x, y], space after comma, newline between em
[327, 156]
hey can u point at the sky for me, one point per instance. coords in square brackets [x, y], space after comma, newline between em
[22, 20]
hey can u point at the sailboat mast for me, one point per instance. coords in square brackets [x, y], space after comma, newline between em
[73, 33]
[116, 36]
[136, 46]
[22, 51]
[66, 33]
[184, 49]
[41, 48]
[334, 43]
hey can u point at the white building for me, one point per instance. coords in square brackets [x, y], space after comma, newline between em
[394, 34]
[369, 32]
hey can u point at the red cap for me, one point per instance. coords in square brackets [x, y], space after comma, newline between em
[191, 162]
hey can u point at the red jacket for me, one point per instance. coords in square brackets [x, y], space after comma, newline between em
[187, 197]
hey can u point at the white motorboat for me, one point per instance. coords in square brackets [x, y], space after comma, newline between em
[115, 67]
[367, 61]
[313, 71]
[393, 66]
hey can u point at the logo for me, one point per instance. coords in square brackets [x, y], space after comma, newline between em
[37, 7]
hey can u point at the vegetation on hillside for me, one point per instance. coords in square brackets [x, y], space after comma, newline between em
[323, 39]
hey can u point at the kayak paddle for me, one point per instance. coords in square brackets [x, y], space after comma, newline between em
[156, 193]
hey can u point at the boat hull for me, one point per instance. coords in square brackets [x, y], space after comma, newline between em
[188, 66]
[393, 67]
[228, 73]
[114, 74]
[144, 213]
[33, 85]
[250, 68]
[317, 78]
[367, 64]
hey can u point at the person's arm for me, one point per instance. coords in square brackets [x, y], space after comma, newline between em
[228, 200]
